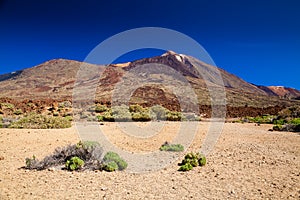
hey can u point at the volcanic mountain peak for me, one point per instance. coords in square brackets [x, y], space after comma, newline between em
[55, 79]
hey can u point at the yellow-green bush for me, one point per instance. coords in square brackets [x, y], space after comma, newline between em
[39, 121]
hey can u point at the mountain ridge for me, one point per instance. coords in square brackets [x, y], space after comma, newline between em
[55, 80]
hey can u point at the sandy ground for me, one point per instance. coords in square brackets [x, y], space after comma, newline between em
[248, 162]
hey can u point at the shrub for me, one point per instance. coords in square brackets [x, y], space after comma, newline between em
[171, 147]
[112, 156]
[141, 116]
[279, 121]
[136, 109]
[39, 121]
[121, 113]
[192, 160]
[108, 116]
[74, 163]
[202, 160]
[100, 118]
[158, 112]
[174, 116]
[7, 106]
[185, 167]
[265, 119]
[111, 166]
[69, 118]
[89, 152]
[295, 121]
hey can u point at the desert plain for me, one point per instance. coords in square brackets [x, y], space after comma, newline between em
[247, 162]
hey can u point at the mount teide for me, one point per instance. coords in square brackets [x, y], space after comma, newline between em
[54, 80]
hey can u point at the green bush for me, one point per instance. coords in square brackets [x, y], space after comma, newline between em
[201, 160]
[185, 167]
[295, 121]
[265, 119]
[192, 160]
[7, 106]
[112, 156]
[39, 121]
[74, 163]
[174, 116]
[141, 116]
[171, 147]
[100, 118]
[279, 122]
[108, 116]
[136, 109]
[69, 118]
[111, 166]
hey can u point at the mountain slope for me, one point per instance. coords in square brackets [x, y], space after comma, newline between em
[142, 82]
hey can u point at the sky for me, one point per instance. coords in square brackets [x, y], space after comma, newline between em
[257, 40]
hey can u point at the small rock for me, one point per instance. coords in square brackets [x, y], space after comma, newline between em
[51, 169]
[103, 189]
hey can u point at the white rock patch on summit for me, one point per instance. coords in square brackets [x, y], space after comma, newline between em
[178, 57]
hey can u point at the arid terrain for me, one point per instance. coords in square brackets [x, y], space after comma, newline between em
[248, 162]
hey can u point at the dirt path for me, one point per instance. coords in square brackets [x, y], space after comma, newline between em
[248, 162]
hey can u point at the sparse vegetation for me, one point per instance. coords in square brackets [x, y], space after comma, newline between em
[112, 157]
[192, 160]
[171, 147]
[7, 106]
[74, 163]
[89, 152]
[174, 116]
[265, 119]
[287, 119]
[81, 156]
[39, 121]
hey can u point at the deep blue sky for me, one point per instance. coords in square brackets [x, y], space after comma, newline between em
[256, 40]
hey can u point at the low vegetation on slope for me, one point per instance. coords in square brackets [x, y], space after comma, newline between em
[139, 113]
[287, 119]
[39, 121]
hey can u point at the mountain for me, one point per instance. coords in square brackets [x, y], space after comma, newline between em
[55, 80]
